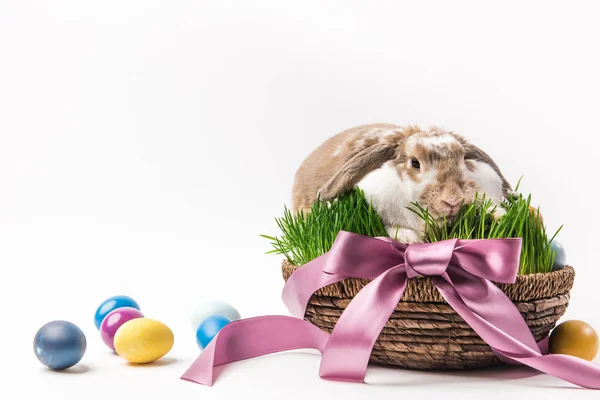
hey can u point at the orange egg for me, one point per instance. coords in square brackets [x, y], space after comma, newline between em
[575, 338]
[536, 213]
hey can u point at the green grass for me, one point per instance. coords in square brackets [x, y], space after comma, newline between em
[306, 236]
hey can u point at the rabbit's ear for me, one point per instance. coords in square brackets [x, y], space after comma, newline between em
[475, 153]
[356, 168]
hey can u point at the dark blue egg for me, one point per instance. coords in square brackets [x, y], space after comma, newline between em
[112, 303]
[59, 345]
[560, 255]
[209, 328]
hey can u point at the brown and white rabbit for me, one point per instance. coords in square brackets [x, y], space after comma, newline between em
[398, 165]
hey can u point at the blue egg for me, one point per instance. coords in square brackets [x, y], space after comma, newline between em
[209, 328]
[560, 255]
[112, 303]
[59, 345]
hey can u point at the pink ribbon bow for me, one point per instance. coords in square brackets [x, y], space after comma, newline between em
[463, 272]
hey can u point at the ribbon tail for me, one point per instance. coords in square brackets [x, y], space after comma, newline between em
[488, 311]
[304, 282]
[568, 368]
[254, 337]
[349, 348]
[494, 317]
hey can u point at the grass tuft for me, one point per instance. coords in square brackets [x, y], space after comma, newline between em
[306, 236]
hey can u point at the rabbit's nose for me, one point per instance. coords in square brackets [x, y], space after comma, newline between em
[452, 203]
[452, 206]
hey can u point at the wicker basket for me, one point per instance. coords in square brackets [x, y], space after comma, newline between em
[424, 332]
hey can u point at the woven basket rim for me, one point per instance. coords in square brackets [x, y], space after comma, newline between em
[527, 287]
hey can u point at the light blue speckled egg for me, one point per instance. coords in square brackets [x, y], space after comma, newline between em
[213, 307]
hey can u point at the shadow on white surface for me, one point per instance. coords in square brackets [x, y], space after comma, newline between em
[299, 363]
[381, 376]
[294, 361]
[398, 377]
[156, 364]
[76, 369]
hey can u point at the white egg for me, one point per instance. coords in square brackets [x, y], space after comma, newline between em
[213, 307]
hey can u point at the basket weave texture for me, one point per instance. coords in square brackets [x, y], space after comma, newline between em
[424, 332]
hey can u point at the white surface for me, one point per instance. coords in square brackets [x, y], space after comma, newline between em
[145, 145]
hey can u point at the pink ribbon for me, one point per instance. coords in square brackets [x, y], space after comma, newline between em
[463, 272]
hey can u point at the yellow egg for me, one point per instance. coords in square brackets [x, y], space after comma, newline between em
[143, 340]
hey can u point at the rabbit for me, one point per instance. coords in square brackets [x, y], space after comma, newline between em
[398, 165]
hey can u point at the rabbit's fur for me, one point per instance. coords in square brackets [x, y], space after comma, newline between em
[395, 166]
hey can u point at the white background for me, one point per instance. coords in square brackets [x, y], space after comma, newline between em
[145, 145]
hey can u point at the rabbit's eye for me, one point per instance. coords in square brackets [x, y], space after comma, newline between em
[415, 163]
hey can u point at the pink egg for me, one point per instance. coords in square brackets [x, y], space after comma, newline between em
[113, 321]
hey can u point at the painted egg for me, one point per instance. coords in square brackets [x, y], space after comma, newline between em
[112, 303]
[560, 255]
[59, 345]
[536, 213]
[214, 307]
[575, 338]
[209, 328]
[114, 320]
[143, 340]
